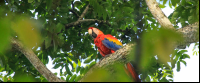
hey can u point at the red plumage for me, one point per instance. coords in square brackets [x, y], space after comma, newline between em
[104, 50]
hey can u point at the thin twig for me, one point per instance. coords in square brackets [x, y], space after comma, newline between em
[84, 12]
[86, 20]
[74, 13]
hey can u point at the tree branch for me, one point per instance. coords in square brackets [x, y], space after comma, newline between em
[74, 13]
[79, 19]
[86, 20]
[190, 34]
[35, 61]
[158, 14]
[84, 12]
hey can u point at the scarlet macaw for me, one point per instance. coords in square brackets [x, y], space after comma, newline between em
[107, 44]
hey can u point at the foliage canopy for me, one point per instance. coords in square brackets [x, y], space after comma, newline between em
[49, 27]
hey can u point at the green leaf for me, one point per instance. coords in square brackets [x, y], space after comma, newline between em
[61, 73]
[57, 65]
[170, 5]
[77, 78]
[88, 60]
[104, 15]
[184, 56]
[85, 70]
[162, 6]
[82, 70]
[78, 69]
[77, 3]
[47, 42]
[30, 1]
[67, 78]
[164, 80]
[173, 63]
[59, 27]
[164, 2]
[56, 60]
[178, 66]
[68, 70]
[4, 34]
[190, 19]
[49, 4]
[184, 62]
[174, 2]
[73, 59]
[62, 78]
[183, 2]
[170, 76]
[79, 63]
[182, 51]
[148, 79]
[92, 64]
[74, 65]
[72, 78]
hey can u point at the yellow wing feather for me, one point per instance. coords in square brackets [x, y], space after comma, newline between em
[116, 41]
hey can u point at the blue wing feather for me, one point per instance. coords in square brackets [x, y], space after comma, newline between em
[110, 44]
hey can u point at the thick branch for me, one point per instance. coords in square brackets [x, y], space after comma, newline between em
[190, 34]
[35, 61]
[158, 14]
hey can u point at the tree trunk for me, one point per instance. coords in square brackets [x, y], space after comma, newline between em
[35, 61]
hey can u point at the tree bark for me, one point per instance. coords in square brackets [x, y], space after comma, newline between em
[190, 34]
[158, 14]
[35, 61]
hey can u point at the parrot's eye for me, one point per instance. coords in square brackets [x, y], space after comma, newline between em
[94, 35]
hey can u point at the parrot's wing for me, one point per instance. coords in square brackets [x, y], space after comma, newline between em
[111, 42]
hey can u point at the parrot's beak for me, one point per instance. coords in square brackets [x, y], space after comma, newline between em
[94, 35]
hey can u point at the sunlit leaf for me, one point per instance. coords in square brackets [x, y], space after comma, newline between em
[30, 1]
[162, 6]
[5, 33]
[88, 60]
[160, 43]
[27, 32]
[97, 76]
[26, 78]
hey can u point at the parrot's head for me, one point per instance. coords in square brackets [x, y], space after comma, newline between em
[94, 32]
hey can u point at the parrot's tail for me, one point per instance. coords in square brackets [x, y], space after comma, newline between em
[132, 72]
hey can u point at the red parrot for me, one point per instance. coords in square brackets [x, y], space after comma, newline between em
[107, 44]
